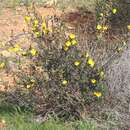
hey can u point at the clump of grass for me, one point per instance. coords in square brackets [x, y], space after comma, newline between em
[20, 123]
[17, 119]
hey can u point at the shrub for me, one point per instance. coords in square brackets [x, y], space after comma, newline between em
[60, 80]
[113, 15]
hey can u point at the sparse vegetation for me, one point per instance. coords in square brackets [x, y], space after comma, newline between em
[61, 66]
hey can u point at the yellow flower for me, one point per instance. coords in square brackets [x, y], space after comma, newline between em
[66, 48]
[27, 19]
[77, 63]
[119, 49]
[93, 81]
[105, 28]
[3, 121]
[2, 65]
[114, 11]
[24, 53]
[36, 22]
[28, 86]
[99, 27]
[101, 74]
[91, 62]
[17, 48]
[43, 25]
[46, 31]
[101, 14]
[33, 28]
[128, 26]
[68, 44]
[64, 82]
[37, 34]
[32, 80]
[97, 94]
[33, 52]
[74, 42]
[86, 55]
[72, 36]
